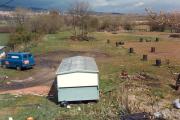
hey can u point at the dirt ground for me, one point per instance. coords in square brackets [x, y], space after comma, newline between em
[164, 49]
[42, 81]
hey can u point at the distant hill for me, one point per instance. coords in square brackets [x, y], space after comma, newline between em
[7, 8]
[11, 8]
[105, 13]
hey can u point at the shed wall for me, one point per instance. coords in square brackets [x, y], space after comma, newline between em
[78, 94]
[77, 80]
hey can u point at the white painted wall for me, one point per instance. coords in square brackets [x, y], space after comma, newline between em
[77, 80]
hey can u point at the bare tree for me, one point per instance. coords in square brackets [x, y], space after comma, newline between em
[164, 20]
[79, 12]
[21, 17]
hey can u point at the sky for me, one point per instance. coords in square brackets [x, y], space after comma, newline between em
[120, 6]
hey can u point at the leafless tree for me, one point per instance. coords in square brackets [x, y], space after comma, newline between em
[161, 21]
[80, 13]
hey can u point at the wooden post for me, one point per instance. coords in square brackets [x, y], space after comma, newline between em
[158, 62]
[131, 50]
[108, 41]
[145, 58]
[153, 49]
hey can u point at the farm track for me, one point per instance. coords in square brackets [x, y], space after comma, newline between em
[46, 64]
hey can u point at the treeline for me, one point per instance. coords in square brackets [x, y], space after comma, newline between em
[164, 21]
[28, 28]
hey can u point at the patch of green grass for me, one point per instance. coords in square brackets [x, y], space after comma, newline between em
[4, 37]
[52, 42]
[158, 92]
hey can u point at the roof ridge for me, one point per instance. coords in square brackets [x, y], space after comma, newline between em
[77, 64]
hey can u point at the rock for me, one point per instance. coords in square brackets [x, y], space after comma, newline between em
[68, 106]
[79, 108]
[158, 115]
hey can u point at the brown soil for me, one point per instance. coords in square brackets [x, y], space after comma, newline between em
[165, 49]
[38, 90]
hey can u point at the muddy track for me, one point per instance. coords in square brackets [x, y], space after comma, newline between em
[37, 80]
[47, 65]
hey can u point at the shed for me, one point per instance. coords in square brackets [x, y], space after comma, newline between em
[78, 79]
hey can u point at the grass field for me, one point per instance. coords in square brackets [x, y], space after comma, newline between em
[3, 38]
[117, 95]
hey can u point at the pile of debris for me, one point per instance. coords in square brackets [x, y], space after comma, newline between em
[144, 76]
[137, 116]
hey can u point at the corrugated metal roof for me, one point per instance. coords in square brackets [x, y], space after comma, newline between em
[2, 47]
[77, 64]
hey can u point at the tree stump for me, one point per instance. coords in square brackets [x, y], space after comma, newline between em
[167, 61]
[158, 62]
[121, 43]
[131, 50]
[145, 58]
[157, 39]
[141, 40]
[153, 49]
[117, 44]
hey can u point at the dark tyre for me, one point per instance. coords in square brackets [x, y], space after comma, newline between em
[18, 68]
[64, 104]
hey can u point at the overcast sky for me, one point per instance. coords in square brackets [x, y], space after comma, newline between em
[122, 6]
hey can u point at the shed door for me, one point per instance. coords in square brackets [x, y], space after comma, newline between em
[78, 94]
